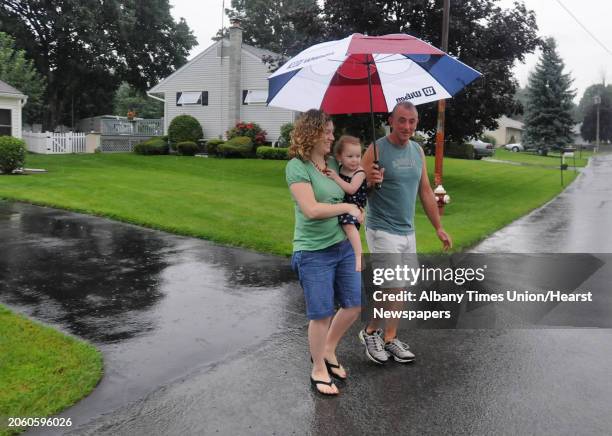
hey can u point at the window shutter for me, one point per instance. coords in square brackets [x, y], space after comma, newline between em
[204, 98]
[178, 96]
[244, 94]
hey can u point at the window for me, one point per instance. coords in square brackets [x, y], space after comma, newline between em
[5, 122]
[192, 98]
[254, 96]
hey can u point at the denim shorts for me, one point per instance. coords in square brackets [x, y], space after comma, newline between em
[328, 277]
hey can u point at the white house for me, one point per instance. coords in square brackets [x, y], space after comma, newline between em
[11, 102]
[225, 84]
[509, 131]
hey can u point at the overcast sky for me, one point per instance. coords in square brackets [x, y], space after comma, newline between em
[584, 58]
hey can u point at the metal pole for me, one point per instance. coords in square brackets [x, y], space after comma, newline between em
[597, 128]
[441, 107]
[368, 63]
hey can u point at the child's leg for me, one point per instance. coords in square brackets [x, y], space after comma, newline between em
[353, 236]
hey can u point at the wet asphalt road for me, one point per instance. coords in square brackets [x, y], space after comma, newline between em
[202, 339]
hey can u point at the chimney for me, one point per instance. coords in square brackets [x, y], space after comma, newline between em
[235, 89]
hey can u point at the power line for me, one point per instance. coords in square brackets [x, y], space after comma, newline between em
[584, 27]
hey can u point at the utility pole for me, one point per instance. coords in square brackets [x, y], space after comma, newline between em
[439, 191]
[597, 101]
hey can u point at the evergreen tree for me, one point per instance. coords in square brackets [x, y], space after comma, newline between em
[548, 115]
[19, 72]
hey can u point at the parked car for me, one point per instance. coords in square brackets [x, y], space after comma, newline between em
[517, 146]
[482, 149]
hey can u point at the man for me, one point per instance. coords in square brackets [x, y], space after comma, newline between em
[390, 216]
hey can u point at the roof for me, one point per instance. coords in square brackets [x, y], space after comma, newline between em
[5, 88]
[505, 121]
[252, 50]
[259, 52]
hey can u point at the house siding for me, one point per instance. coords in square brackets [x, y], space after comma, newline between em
[14, 104]
[255, 76]
[209, 72]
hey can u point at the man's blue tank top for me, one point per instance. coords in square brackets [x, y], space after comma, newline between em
[391, 208]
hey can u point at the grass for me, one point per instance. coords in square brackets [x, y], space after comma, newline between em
[552, 160]
[246, 202]
[42, 371]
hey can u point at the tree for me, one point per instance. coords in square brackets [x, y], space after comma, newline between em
[285, 27]
[586, 101]
[86, 49]
[19, 72]
[548, 115]
[478, 37]
[128, 98]
[588, 130]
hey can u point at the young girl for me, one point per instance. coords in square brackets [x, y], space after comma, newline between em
[352, 180]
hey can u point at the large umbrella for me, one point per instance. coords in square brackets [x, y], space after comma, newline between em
[361, 74]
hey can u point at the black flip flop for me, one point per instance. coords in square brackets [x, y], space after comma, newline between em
[330, 367]
[314, 384]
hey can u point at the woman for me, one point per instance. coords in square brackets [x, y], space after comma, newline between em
[322, 256]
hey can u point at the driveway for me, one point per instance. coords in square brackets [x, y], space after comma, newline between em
[203, 339]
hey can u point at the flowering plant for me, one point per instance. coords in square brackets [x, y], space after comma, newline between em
[252, 130]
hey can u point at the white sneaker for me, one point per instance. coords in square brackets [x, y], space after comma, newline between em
[399, 351]
[374, 346]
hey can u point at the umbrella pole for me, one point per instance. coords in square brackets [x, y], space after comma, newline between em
[368, 63]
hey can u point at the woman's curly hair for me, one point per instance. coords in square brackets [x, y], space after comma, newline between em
[308, 130]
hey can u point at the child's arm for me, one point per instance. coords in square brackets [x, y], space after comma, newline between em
[349, 188]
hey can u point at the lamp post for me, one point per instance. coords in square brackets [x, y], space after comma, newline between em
[440, 126]
[597, 101]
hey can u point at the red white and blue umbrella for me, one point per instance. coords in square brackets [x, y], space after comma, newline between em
[361, 74]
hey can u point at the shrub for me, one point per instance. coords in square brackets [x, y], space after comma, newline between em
[490, 139]
[12, 154]
[239, 146]
[285, 134]
[212, 145]
[187, 148]
[184, 128]
[460, 151]
[252, 130]
[152, 146]
[265, 152]
[229, 150]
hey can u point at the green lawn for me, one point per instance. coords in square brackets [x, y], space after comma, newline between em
[552, 160]
[247, 203]
[42, 371]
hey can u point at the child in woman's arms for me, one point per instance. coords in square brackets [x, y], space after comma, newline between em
[352, 180]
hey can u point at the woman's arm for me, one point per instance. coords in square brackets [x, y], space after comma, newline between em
[349, 188]
[303, 194]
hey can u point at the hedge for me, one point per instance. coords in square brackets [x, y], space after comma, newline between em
[212, 145]
[239, 146]
[460, 151]
[184, 128]
[12, 154]
[187, 148]
[265, 152]
[153, 146]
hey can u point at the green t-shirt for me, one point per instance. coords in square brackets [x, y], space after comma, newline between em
[391, 208]
[315, 234]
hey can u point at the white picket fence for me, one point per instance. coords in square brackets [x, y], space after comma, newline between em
[55, 143]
